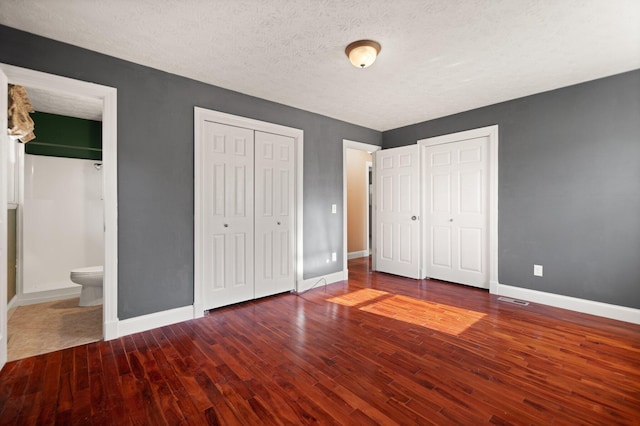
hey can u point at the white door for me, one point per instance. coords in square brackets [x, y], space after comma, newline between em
[274, 213]
[227, 210]
[397, 176]
[456, 195]
[4, 146]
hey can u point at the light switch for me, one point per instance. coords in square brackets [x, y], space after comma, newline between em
[334, 208]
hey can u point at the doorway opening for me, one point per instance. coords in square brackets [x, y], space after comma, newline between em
[105, 98]
[359, 239]
[59, 210]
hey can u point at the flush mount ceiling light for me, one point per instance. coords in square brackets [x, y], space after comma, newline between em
[362, 53]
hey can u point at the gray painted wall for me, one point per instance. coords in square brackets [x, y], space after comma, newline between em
[569, 186]
[155, 167]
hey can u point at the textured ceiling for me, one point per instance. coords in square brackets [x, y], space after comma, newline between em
[438, 57]
[65, 104]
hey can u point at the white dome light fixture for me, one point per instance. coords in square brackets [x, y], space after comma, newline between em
[362, 53]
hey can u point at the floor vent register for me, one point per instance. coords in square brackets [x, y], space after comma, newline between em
[514, 301]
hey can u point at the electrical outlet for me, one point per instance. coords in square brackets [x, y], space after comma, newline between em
[537, 270]
[334, 208]
[334, 257]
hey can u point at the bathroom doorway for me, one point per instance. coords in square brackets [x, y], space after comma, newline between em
[106, 98]
[59, 206]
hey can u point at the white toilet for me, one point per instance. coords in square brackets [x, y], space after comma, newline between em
[91, 281]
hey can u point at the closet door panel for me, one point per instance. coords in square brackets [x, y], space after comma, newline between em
[274, 213]
[228, 216]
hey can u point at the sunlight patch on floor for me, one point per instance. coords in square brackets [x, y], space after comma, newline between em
[444, 318]
[435, 316]
[358, 297]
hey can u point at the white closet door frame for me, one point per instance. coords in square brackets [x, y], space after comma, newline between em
[200, 116]
[491, 132]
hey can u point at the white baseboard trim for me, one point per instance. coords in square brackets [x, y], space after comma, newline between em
[48, 296]
[620, 313]
[13, 302]
[154, 320]
[307, 284]
[357, 254]
[198, 310]
[110, 330]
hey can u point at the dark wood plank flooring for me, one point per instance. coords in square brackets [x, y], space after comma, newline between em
[377, 349]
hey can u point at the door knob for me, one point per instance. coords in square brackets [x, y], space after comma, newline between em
[451, 220]
[414, 217]
[226, 225]
[278, 223]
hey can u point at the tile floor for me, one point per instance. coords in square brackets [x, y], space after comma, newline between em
[50, 326]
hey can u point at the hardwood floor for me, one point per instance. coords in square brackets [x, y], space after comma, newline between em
[377, 349]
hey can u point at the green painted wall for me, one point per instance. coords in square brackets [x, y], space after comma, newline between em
[61, 136]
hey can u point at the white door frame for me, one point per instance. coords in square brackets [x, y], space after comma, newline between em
[368, 166]
[491, 132]
[4, 140]
[360, 146]
[108, 97]
[200, 115]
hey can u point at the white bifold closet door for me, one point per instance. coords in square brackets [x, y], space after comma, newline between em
[274, 220]
[457, 212]
[248, 247]
[228, 251]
